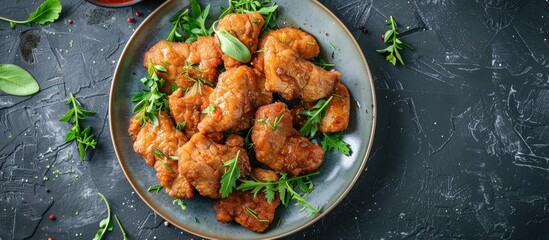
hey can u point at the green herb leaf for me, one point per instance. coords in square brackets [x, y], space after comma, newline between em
[192, 23]
[84, 139]
[16, 81]
[228, 180]
[209, 109]
[181, 126]
[125, 237]
[314, 119]
[274, 125]
[48, 11]
[231, 46]
[335, 141]
[105, 224]
[322, 63]
[391, 37]
[254, 215]
[180, 203]
[152, 101]
[156, 188]
[269, 13]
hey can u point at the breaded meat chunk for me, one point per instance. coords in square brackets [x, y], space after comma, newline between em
[157, 143]
[239, 206]
[336, 118]
[187, 108]
[201, 162]
[232, 102]
[185, 62]
[294, 77]
[245, 27]
[302, 42]
[278, 145]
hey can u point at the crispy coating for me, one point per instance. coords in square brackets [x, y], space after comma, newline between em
[281, 148]
[294, 77]
[188, 107]
[201, 162]
[234, 99]
[236, 206]
[245, 27]
[302, 42]
[167, 139]
[185, 61]
[336, 118]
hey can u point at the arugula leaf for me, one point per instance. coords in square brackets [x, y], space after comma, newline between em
[285, 188]
[48, 11]
[391, 37]
[156, 188]
[335, 141]
[228, 180]
[314, 119]
[192, 23]
[16, 81]
[180, 203]
[83, 138]
[105, 224]
[233, 47]
[125, 237]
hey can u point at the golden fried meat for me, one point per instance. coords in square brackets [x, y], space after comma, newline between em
[232, 102]
[239, 206]
[245, 27]
[201, 162]
[294, 77]
[279, 146]
[185, 62]
[302, 42]
[187, 108]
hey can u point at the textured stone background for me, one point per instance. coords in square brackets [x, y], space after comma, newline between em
[461, 147]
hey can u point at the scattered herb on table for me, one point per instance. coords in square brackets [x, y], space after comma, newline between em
[391, 37]
[83, 138]
[192, 23]
[285, 187]
[228, 180]
[125, 237]
[269, 13]
[233, 47]
[105, 224]
[156, 188]
[150, 102]
[16, 81]
[274, 125]
[335, 141]
[48, 11]
[314, 117]
[180, 203]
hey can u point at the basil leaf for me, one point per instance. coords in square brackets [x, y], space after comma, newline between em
[231, 46]
[16, 81]
[48, 11]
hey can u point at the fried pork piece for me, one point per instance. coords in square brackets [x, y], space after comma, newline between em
[294, 77]
[164, 139]
[302, 42]
[237, 206]
[185, 62]
[279, 146]
[336, 118]
[188, 107]
[201, 162]
[233, 101]
[245, 27]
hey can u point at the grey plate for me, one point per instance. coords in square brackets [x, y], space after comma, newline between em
[337, 174]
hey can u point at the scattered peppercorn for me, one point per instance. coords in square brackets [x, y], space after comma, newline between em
[137, 14]
[130, 20]
[52, 217]
[69, 21]
[382, 36]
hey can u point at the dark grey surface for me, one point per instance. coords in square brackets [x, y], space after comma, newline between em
[461, 148]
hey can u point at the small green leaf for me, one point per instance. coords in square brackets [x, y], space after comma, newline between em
[231, 46]
[16, 81]
[156, 188]
[48, 11]
[209, 109]
[181, 126]
[160, 68]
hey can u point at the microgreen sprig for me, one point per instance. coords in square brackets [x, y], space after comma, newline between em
[83, 138]
[150, 102]
[391, 37]
[180, 203]
[192, 23]
[285, 187]
[48, 11]
[105, 224]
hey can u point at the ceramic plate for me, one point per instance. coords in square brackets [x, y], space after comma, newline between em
[337, 174]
